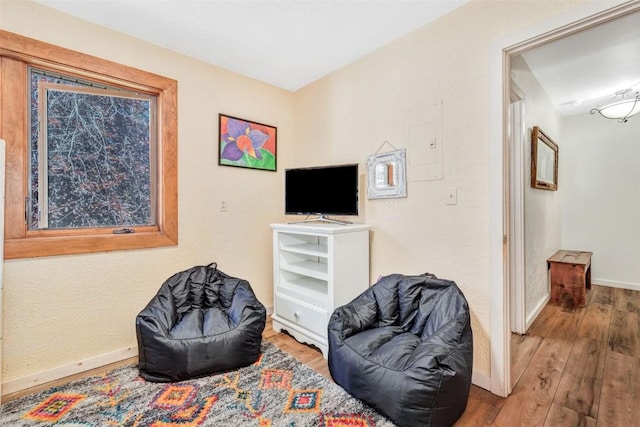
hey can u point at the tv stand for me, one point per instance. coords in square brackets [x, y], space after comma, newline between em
[322, 218]
[316, 268]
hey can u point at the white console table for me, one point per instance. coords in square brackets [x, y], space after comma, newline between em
[316, 268]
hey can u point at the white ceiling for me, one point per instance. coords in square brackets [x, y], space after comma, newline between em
[286, 43]
[585, 70]
[291, 43]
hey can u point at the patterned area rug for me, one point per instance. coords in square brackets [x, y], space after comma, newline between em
[277, 390]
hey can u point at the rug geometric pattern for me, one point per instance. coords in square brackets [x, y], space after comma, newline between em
[277, 390]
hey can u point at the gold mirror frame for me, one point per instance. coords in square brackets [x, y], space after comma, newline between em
[544, 161]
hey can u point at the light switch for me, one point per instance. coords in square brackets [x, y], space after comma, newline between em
[452, 196]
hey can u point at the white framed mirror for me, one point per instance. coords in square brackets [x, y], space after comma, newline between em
[386, 175]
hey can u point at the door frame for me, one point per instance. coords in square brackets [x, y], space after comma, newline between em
[517, 182]
[580, 18]
[2, 179]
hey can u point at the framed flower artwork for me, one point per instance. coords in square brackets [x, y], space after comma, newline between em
[246, 144]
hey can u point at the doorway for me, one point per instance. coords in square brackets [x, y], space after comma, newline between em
[504, 203]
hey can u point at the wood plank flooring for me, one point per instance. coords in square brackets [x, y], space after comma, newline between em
[576, 367]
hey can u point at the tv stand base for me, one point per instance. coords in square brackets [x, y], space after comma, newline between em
[322, 218]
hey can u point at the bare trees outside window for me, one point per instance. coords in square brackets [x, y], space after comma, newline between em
[91, 154]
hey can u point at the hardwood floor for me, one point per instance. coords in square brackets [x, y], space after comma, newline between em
[576, 367]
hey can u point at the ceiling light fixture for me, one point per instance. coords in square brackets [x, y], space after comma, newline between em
[625, 104]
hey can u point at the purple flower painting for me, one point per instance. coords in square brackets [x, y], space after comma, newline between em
[246, 144]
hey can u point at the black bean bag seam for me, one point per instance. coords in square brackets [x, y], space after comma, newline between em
[203, 336]
[433, 403]
[453, 350]
[408, 367]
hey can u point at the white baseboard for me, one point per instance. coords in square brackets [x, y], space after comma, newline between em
[54, 374]
[481, 380]
[536, 311]
[615, 284]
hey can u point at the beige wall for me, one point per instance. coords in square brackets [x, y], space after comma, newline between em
[542, 219]
[601, 200]
[346, 116]
[65, 309]
[61, 310]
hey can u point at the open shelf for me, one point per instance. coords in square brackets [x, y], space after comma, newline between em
[317, 250]
[306, 244]
[310, 268]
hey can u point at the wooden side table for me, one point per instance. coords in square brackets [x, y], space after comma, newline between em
[570, 272]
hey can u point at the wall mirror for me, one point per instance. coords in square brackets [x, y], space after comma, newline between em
[386, 175]
[544, 161]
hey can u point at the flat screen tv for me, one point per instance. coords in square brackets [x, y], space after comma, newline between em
[322, 191]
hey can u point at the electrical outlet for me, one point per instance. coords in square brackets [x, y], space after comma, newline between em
[223, 205]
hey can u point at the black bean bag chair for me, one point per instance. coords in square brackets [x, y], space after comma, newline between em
[201, 321]
[405, 347]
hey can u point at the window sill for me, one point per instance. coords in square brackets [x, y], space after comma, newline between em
[69, 245]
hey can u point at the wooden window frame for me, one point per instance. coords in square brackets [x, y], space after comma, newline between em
[17, 53]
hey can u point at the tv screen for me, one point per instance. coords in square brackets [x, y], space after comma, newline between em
[322, 190]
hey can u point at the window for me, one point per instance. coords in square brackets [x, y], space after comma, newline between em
[91, 152]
